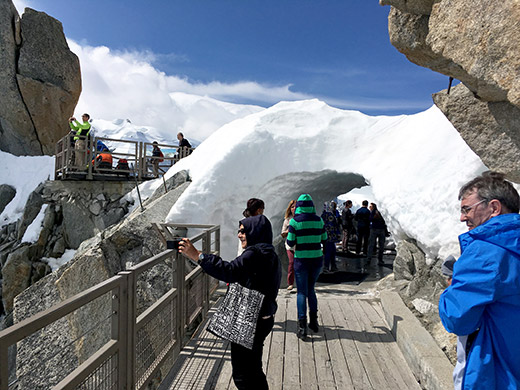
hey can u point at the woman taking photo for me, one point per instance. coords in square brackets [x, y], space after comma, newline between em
[257, 268]
[289, 214]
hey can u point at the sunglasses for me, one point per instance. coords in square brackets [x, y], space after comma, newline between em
[241, 231]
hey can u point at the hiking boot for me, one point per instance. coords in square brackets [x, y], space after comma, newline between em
[302, 329]
[313, 322]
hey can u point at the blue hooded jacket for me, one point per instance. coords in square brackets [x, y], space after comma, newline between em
[484, 297]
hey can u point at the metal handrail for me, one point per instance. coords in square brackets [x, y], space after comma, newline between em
[126, 324]
[66, 152]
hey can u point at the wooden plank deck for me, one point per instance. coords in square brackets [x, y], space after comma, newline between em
[354, 349]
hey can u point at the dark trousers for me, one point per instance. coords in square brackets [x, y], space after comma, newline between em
[329, 255]
[247, 363]
[379, 236]
[363, 234]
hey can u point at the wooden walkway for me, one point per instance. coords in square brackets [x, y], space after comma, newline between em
[354, 349]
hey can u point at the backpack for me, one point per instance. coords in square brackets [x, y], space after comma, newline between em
[161, 155]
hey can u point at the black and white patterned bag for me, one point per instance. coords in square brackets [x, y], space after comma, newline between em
[235, 319]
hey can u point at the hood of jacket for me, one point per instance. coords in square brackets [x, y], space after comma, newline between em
[305, 205]
[502, 230]
[258, 230]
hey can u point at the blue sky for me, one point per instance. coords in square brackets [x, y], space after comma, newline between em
[335, 50]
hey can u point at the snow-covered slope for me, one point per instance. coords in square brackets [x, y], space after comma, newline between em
[414, 165]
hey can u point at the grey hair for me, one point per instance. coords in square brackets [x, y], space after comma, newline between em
[492, 185]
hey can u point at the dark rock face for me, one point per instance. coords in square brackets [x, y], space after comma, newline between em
[7, 194]
[40, 81]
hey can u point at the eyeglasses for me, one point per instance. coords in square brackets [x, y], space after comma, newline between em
[241, 231]
[464, 210]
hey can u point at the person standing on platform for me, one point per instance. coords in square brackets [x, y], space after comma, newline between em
[307, 235]
[289, 214]
[362, 218]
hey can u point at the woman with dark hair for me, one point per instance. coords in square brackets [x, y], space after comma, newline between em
[254, 207]
[377, 233]
[289, 214]
[257, 268]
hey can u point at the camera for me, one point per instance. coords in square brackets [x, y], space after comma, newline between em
[173, 244]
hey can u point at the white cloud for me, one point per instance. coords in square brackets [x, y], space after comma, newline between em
[127, 85]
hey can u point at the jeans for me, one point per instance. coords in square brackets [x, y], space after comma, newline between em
[290, 269]
[379, 235]
[329, 254]
[247, 363]
[307, 272]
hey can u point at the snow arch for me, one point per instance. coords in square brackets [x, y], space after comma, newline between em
[414, 165]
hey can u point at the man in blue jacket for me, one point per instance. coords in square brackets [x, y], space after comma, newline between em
[483, 300]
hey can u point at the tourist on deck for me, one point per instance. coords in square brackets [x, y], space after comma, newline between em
[346, 224]
[306, 234]
[333, 235]
[254, 207]
[257, 268]
[289, 214]
[377, 233]
[362, 218]
[184, 147]
[157, 155]
[81, 132]
[483, 299]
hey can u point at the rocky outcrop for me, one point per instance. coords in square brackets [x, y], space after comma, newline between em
[491, 129]
[7, 194]
[40, 81]
[75, 212]
[478, 44]
[420, 284]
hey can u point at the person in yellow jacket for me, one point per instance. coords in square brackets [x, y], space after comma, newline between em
[81, 132]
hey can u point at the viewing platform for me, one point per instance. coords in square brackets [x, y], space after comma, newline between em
[366, 340]
[128, 160]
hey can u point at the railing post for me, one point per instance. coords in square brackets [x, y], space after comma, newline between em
[126, 327]
[120, 329]
[4, 367]
[180, 285]
[206, 248]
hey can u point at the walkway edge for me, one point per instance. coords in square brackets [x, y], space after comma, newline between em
[426, 359]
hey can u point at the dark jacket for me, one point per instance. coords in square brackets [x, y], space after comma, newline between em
[257, 268]
[346, 219]
[363, 217]
[184, 143]
[376, 220]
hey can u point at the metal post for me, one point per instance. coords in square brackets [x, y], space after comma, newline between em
[127, 328]
[121, 331]
[181, 301]
[4, 367]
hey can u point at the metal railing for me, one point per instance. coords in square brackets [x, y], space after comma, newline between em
[143, 342]
[80, 160]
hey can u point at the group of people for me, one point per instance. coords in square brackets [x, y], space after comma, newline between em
[481, 304]
[80, 133]
[367, 226]
[158, 156]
